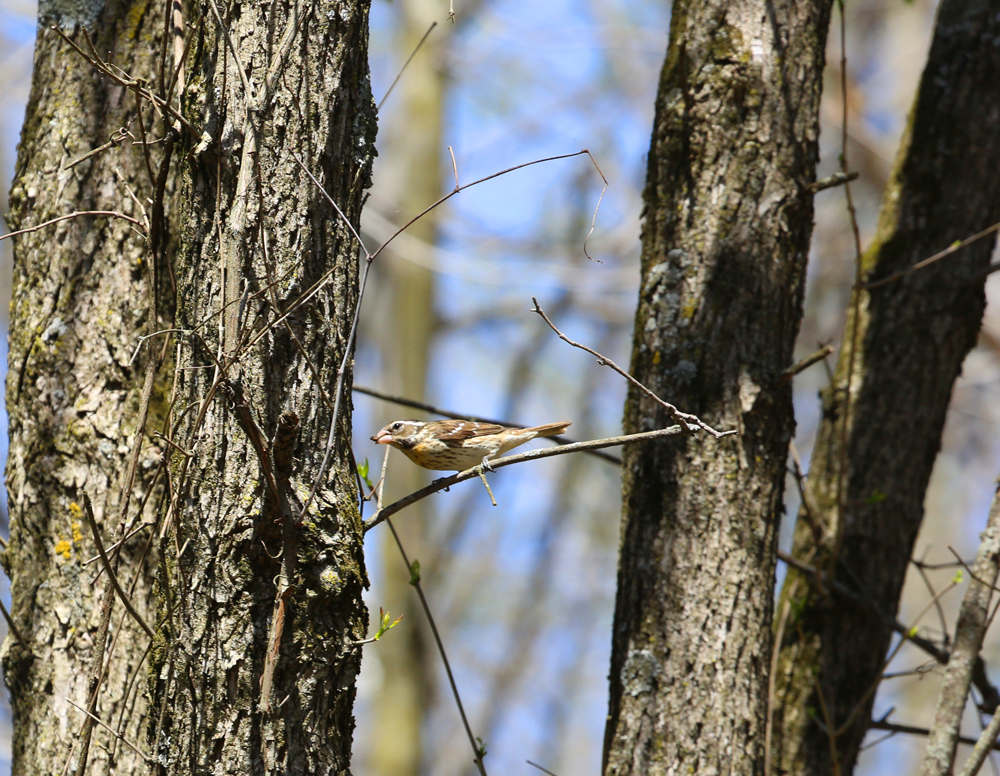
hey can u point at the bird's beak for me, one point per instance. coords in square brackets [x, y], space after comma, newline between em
[383, 437]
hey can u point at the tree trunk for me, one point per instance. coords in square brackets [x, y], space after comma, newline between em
[251, 668]
[725, 240]
[909, 342]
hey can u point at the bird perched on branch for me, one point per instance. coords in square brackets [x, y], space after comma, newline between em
[458, 445]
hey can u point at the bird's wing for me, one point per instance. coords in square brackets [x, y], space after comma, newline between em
[460, 430]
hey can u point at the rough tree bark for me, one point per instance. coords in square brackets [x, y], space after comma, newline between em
[911, 337]
[238, 235]
[725, 240]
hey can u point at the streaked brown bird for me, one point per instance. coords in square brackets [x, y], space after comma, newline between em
[445, 445]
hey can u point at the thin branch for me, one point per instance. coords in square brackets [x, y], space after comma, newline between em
[686, 420]
[815, 576]
[509, 460]
[247, 88]
[936, 257]
[969, 632]
[89, 510]
[885, 664]
[986, 742]
[419, 405]
[403, 68]
[115, 733]
[593, 220]
[837, 179]
[75, 214]
[457, 189]
[855, 315]
[808, 361]
[878, 724]
[138, 528]
[127, 82]
[333, 203]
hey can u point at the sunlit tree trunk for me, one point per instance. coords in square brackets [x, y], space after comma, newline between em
[250, 666]
[726, 235]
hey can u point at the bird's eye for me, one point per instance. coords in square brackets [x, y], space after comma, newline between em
[396, 426]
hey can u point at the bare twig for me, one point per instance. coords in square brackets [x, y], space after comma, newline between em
[247, 87]
[969, 632]
[936, 257]
[593, 220]
[881, 724]
[89, 511]
[457, 189]
[135, 530]
[129, 83]
[509, 460]
[907, 636]
[403, 68]
[13, 627]
[75, 214]
[837, 179]
[808, 361]
[855, 316]
[113, 732]
[685, 419]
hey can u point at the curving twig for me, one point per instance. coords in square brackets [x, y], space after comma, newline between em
[685, 419]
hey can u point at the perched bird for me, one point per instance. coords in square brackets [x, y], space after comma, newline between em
[458, 444]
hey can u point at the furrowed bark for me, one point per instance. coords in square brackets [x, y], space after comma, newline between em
[912, 335]
[256, 236]
[242, 234]
[81, 297]
[726, 235]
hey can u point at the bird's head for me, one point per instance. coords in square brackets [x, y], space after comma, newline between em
[392, 433]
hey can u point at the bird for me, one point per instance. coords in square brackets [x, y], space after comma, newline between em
[446, 445]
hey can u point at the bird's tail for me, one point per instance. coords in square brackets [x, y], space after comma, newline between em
[551, 429]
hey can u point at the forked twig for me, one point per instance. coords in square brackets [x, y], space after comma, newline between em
[89, 510]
